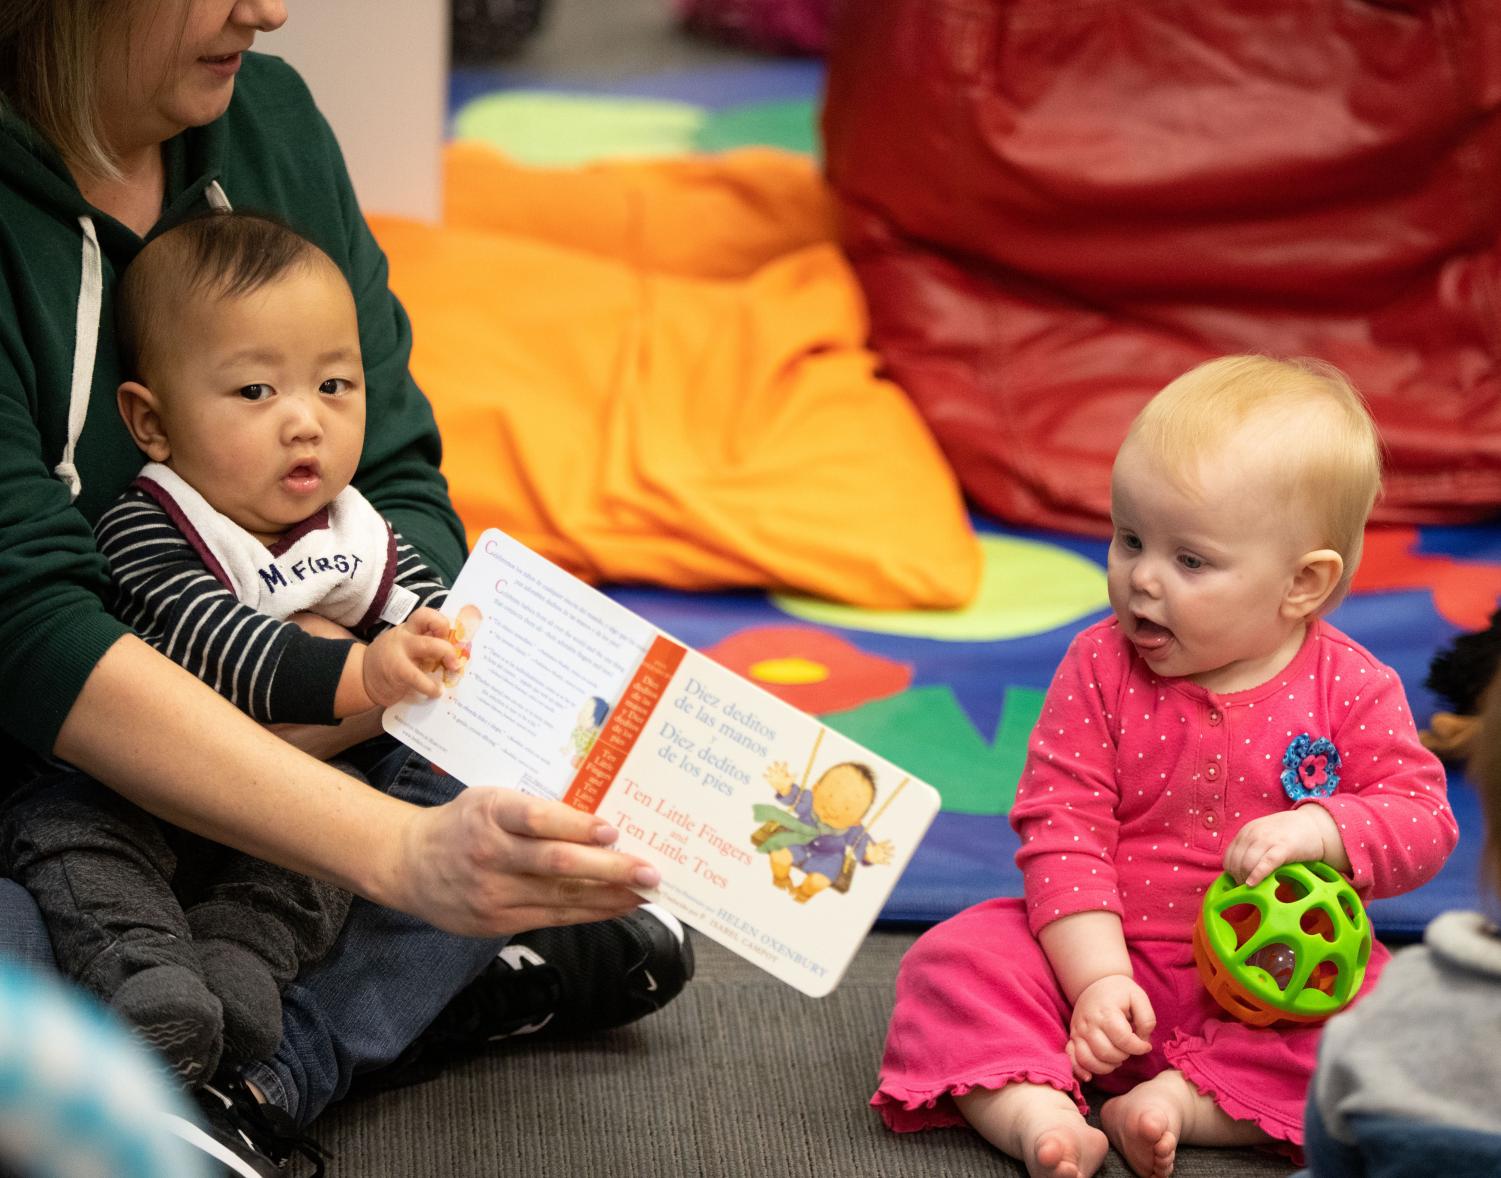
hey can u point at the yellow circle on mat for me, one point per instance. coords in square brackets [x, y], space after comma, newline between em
[789, 671]
[1026, 587]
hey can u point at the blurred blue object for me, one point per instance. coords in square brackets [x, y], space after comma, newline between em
[79, 1098]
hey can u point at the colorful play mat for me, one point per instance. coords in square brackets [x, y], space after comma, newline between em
[771, 103]
[952, 696]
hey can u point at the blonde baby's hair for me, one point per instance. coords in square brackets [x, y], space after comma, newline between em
[1319, 444]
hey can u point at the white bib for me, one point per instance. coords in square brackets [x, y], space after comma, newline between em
[339, 563]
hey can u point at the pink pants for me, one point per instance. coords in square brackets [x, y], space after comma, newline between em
[977, 1007]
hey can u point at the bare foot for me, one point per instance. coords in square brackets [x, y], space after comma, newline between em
[1147, 1124]
[1144, 1125]
[1040, 1126]
[1065, 1151]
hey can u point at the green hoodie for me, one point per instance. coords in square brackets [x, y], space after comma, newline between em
[270, 152]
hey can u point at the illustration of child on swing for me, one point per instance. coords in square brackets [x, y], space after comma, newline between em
[820, 832]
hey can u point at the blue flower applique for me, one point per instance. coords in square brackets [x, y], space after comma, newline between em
[1310, 768]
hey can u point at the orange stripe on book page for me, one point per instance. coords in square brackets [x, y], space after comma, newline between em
[625, 724]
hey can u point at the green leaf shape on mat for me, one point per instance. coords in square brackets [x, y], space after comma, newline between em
[789, 125]
[1026, 587]
[927, 733]
[545, 129]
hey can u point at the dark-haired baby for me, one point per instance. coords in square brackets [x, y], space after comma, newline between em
[241, 532]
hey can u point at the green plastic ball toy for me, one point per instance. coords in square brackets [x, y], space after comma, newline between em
[1293, 948]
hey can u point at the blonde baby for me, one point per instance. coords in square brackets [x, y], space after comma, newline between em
[1168, 751]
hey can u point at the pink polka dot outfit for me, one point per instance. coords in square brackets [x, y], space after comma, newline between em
[1134, 786]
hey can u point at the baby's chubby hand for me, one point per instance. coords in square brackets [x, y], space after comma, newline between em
[1112, 1020]
[400, 661]
[1293, 836]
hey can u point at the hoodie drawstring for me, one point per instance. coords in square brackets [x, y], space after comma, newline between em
[85, 345]
[86, 338]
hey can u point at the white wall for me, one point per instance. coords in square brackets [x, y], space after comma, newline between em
[379, 71]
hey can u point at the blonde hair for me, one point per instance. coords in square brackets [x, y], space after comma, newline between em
[51, 55]
[1485, 772]
[1321, 446]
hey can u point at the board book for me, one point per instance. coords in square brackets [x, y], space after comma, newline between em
[775, 836]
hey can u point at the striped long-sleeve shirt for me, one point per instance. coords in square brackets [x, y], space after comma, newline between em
[165, 590]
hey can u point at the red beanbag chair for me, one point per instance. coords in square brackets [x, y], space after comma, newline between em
[1054, 209]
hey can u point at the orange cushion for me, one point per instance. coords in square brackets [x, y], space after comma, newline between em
[656, 373]
[720, 216]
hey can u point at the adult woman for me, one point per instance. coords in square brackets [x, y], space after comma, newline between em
[119, 118]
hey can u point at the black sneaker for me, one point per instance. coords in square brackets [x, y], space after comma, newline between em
[246, 1138]
[555, 982]
[607, 975]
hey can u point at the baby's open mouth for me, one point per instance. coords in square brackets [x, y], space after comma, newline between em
[304, 476]
[1149, 635]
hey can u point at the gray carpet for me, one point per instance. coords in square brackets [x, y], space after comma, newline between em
[740, 1076]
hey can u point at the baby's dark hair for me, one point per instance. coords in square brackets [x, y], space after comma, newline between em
[217, 255]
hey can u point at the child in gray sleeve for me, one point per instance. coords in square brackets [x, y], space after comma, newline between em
[1408, 1083]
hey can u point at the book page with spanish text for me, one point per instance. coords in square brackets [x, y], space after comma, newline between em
[775, 835]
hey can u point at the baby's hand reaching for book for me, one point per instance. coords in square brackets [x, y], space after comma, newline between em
[427, 621]
[400, 661]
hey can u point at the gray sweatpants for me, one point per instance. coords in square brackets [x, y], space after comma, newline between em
[122, 891]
